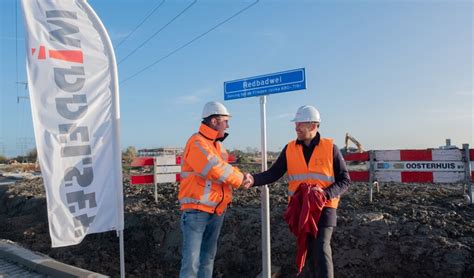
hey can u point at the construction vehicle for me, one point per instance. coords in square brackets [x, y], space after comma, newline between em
[348, 138]
[348, 150]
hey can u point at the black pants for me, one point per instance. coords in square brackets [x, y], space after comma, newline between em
[319, 257]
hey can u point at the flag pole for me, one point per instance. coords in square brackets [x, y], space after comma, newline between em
[122, 255]
[116, 121]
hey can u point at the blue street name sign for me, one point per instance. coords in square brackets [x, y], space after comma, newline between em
[273, 83]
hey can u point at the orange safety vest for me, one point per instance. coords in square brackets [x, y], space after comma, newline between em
[318, 171]
[207, 179]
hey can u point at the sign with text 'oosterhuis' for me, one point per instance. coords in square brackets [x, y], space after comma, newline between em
[73, 89]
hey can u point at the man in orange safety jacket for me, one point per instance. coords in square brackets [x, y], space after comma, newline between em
[205, 191]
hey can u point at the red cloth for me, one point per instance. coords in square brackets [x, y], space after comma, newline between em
[302, 216]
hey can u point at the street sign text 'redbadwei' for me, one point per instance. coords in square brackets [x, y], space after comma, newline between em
[272, 83]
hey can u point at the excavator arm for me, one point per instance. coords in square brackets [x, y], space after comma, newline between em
[348, 138]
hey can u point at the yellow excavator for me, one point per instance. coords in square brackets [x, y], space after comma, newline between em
[359, 149]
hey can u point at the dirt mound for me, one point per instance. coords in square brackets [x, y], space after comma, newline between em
[408, 231]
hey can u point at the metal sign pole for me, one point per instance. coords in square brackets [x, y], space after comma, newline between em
[264, 194]
[371, 174]
[155, 180]
[467, 174]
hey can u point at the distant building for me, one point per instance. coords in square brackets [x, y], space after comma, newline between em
[448, 145]
[160, 151]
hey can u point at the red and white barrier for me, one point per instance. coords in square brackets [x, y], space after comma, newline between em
[410, 166]
[166, 169]
[414, 166]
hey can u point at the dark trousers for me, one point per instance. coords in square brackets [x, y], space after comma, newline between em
[319, 257]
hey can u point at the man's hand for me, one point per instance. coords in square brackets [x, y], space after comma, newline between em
[319, 189]
[248, 181]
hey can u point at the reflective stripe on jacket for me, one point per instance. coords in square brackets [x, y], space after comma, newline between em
[318, 171]
[207, 178]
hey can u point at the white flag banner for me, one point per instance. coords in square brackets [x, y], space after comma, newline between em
[73, 86]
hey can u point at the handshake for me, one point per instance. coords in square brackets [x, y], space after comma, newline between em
[247, 181]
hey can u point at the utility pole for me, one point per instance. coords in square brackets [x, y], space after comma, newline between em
[25, 96]
[24, 144]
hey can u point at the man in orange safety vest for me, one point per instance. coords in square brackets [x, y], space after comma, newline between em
[315, 160]
[205, 191]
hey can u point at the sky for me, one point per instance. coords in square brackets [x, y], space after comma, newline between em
[394, 74]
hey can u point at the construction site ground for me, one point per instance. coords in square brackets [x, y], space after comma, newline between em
[409, 230]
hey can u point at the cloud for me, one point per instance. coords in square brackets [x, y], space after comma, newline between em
[282, 116]
[453, 115]
[276, 39]
[468, 93]
[116, 36]
[207, 91]
[197, 95]
[189, 99]
[462, 116]
[456, 109]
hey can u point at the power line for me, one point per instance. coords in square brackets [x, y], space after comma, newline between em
[140, 24]
[188, 43]
[157, 32]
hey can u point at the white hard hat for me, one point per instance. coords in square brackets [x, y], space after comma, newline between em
[214, 108]
[307, 113]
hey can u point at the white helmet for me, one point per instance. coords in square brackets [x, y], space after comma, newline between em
[307, 113]
[214, 108]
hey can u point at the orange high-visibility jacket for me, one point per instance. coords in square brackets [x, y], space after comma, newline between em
[207, 179]
[318, 171]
